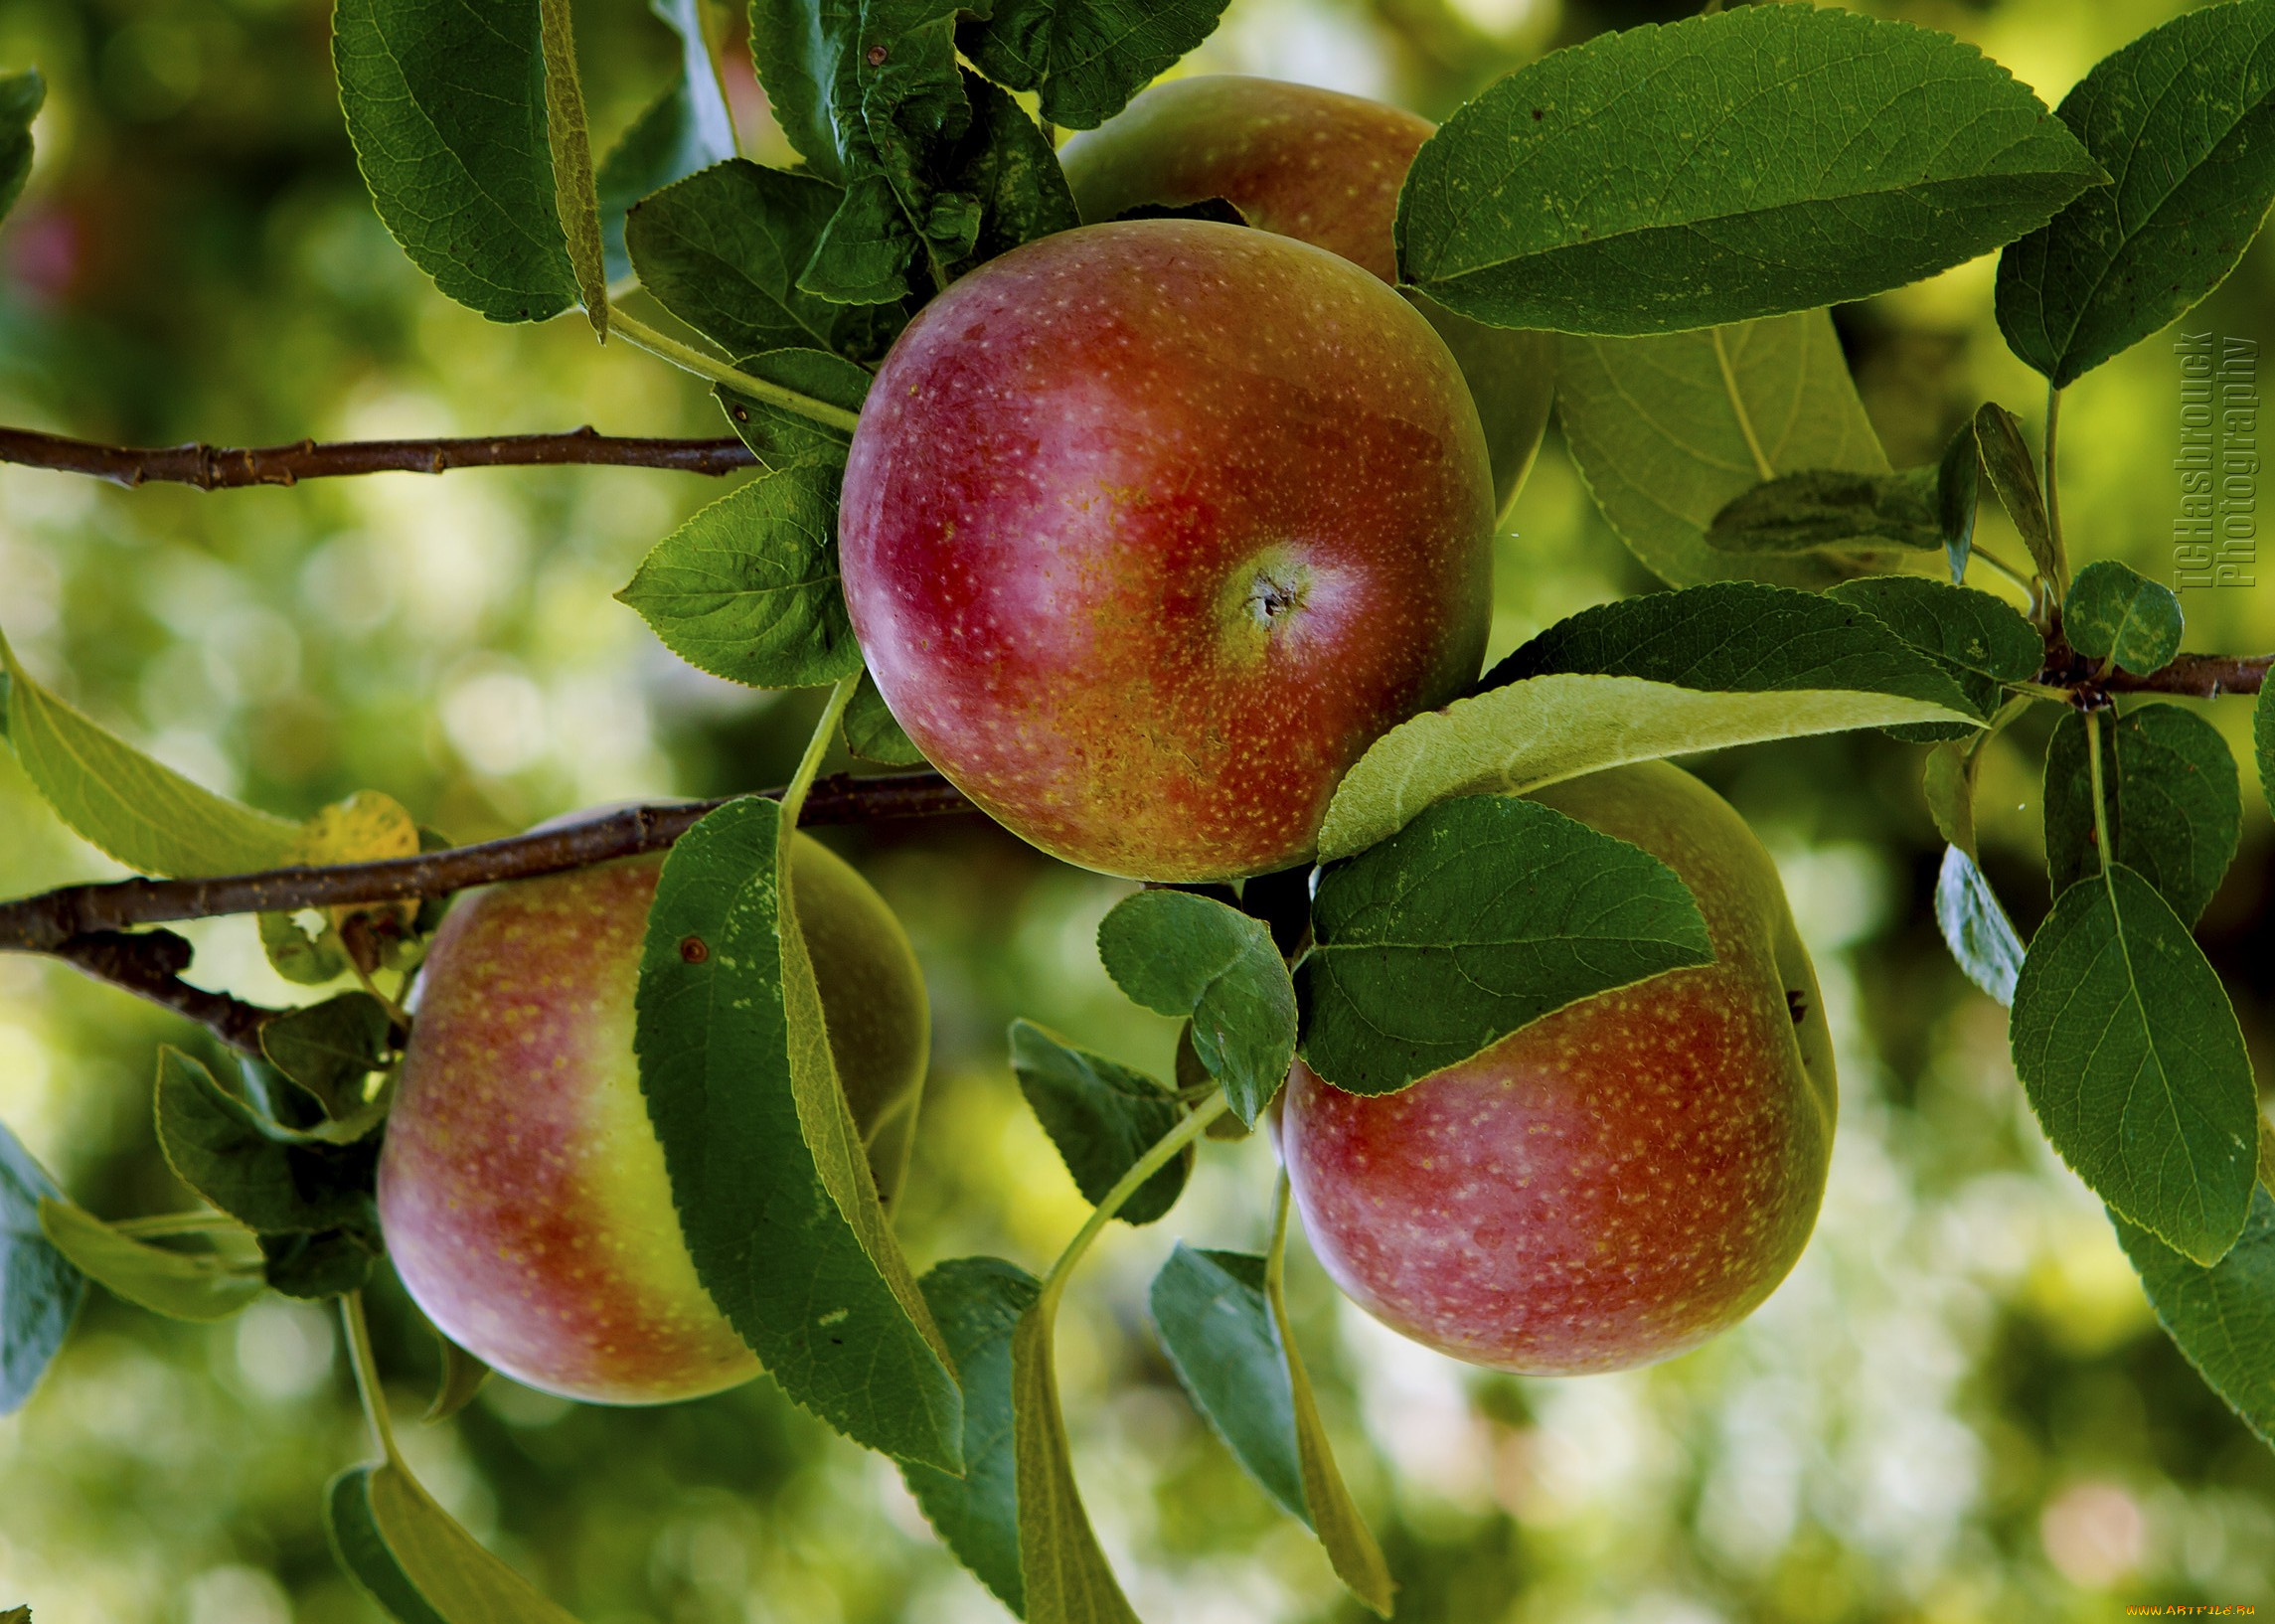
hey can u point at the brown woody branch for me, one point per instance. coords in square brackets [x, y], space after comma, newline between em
[2199, 676]
[214, 467]
[86, 925]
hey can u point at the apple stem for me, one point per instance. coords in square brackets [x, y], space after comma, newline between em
[366, 1375]
[1145, 1167]
[1275, 1257]
[794, 794]
[689, 358]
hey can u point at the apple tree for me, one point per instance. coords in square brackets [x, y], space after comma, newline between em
[1098, 502]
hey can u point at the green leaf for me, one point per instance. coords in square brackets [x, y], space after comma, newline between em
[1179, 953]
[1668, 431]
[264, 1176]
[20, 98]
[2263, 740]
[1830, 508]
[463, 1375]
[1745, 164]
[1101, 1117]
[2173, 802]
[1064, 1575]
[872, 732]
[40, 1288]
[415, 1562]
[1981, 642]
[782, 438]
[1542, 729]
[978, 1301]
[202, 1285]
[1975, 927]
[147, 816]
[2222, 1316]
[1217, 1326]
[723, 249]
[445, 102]
[767, 1165]
[2130, 1055]
[1957, 479]
[1086, 58]
[329, 1264]
[1948, 786]
[576, 199]
[939, 167]
[1351, 1547]
[687, 128]
[329, 1049]
[2182, 118]
[1958, 627]
[1477, 918]
[2113, 612]
[749, 589]
[2015, 476]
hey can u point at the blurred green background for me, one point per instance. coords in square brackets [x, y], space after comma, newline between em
[1957, 1408]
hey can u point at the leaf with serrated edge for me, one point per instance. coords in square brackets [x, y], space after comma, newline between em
[2130, 1055]
[40, 1288]
[749, 589]
[415, 1562]
[782, 438]
[1758, 161]
[445, 102]
[1667, 430]
[1948, 786]
[2263, 740]
[2114, 612]
[2222, 1317]
[329, 1049]
[1101, 1117]
[978, 1301]
[181, 1285]
[1217, 1326]
[1975, 927]
[577, 196]
[1179, 953]
[1958, 625]
[722, 249]
[1542, 729]
[226, 1150]
[2174, 805]
[1479, 917]
[768, 1169]
[117, 799]
[1830, 508]
[2183, 118]
[1065, 1575]
[1088, 58]
[20, 98]
[873, 733]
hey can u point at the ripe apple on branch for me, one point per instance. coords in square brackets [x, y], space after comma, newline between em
[1143, 491]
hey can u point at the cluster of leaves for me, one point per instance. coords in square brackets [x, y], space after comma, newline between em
[1683, 239]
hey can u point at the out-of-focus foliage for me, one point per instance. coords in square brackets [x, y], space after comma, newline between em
[1958, 1407]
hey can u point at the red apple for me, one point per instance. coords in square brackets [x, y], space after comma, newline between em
[1619, 1181]
[522, 1189]
[1150, 529]
[1323, 167]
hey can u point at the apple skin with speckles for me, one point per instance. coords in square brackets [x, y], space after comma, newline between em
[1619, 1181]
[522, 1189]
[1151, 528]
[1324, 167]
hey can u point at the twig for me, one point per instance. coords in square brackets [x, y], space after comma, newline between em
[2200, 676]
[148, 963]
[43, 923]
[214, 467]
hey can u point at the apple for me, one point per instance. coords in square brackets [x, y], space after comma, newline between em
[1619, 1181]
[1323, 167]
[1151, 528]
[522, 1190]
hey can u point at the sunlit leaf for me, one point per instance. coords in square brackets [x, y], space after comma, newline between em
[2114, 612]
[1975, 927]
[182, 1285]
[1184, 954]
[2222, 1316]
[1102, 1116]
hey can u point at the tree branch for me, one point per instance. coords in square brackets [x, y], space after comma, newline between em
[149, 964]
[214, 467]
[2200, 676]
[43, 923]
